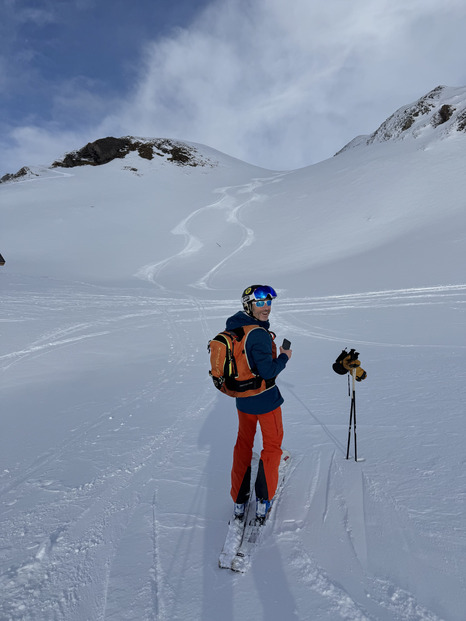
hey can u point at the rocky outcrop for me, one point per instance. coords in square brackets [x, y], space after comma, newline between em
[23, 173]
[439, 113]
[107, 149]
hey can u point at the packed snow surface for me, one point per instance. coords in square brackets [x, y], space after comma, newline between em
[116, 448]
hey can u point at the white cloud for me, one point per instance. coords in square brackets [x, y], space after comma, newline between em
[284, 83]
[37, 146]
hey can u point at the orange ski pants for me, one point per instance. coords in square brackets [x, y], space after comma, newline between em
[267, 476]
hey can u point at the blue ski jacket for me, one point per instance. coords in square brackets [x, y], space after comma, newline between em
[259, 352]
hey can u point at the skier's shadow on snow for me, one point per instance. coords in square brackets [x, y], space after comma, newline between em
[219, 434]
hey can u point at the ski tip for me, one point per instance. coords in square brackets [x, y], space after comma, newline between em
[240, 564]
[239, 570]
[224, 562]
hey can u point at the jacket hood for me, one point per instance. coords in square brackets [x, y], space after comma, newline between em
[241, 318]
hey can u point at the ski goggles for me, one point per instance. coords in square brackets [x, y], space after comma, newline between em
[264, 292]
[260, 303]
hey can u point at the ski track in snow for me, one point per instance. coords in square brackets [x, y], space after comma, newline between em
[288, 313]
[76, 536]
[341, 497]
[234, 199]
[63, 551]
[233, 202]
[74, 533]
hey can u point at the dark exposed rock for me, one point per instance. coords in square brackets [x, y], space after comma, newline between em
[398, 124]
[421, 108]
[443, 115]
[461, 120]
[96, 153]
[107, 149]
[443, 108]
[22, 172]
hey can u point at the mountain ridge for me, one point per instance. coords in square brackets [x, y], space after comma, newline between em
[436, 115]
[104, 150]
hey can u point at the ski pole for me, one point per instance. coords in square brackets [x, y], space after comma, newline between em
[352, 416]
[348, 362]
[353, 373]
[349, 430]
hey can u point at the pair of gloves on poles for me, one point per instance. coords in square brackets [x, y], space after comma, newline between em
[347, 362]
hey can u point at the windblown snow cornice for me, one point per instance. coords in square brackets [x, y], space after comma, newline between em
[436, 115]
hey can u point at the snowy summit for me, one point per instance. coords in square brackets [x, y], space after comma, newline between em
[439, 114]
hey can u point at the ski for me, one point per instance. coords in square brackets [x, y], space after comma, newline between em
[254, 528]
[236, 527]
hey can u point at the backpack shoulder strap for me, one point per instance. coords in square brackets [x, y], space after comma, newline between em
[239, 332]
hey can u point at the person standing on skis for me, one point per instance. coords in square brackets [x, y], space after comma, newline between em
[262, 407]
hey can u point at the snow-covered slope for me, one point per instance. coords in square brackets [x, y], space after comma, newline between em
[204, 224]
[435, 116]
[115, 448]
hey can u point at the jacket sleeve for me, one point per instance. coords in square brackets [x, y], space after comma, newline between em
[259, 351]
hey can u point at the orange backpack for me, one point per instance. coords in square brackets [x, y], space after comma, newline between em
[230, 369]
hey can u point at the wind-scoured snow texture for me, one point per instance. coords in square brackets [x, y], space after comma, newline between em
[115, 450]
[439, 114]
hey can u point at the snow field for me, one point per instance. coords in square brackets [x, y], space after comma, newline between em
[116, 449]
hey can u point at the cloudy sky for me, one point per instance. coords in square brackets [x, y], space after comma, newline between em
[278, 83]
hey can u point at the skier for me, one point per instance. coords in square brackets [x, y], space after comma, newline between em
[263, 407]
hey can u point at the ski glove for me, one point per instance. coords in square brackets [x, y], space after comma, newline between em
[350, 363]
[360, 374]
[347, 362]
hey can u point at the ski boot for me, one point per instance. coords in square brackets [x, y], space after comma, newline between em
[262, 509]
[240, 510]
